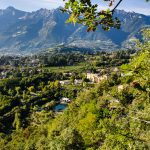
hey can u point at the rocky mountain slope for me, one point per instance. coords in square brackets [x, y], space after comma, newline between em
[29, 32]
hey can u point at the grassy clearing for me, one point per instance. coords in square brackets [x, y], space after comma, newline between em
[66, 68]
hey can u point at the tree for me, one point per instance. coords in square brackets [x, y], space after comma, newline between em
[17, 120]
[31, 88]
[87, 13]
[72, 79]
[18, 89]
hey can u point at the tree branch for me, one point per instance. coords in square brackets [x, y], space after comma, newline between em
[116, 6]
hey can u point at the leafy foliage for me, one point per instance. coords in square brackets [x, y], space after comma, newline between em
[86, 12]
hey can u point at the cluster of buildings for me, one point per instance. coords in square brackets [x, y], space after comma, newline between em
[92, 77]
[96, 78]
[3, 74]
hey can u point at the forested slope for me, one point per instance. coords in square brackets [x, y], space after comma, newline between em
[112, 115]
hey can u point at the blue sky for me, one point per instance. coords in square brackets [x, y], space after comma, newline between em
[31, 5]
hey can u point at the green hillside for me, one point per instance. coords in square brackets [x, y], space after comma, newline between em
[114, 115]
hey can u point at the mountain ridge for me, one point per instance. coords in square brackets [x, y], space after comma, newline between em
[29, 32]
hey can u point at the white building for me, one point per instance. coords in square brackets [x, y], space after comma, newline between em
[64, 82]
[120, 88]
[77, 82]
[96, 77]
[65, 100]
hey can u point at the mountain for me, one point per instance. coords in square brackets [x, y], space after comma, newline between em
[29, 32]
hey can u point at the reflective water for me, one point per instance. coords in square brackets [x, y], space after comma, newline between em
[60, 107]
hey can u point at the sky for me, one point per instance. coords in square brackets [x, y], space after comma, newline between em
[139, 6]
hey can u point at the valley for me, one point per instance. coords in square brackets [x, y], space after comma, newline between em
[36, 84]
[43, 100]
[63, 88]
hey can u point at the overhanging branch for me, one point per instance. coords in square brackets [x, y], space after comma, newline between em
[116, 6]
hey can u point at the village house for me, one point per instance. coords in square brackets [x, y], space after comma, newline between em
[65, 100]
[96, 78]
[64, 82]
[122, 87]
[3, 74]
[116, 69]
[77, 82]
[103, 77]
[67, 74]
[35, 61]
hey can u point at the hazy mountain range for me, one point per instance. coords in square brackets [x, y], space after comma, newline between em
[26, 32]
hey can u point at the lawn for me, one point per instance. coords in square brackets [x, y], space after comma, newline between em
[66, 68]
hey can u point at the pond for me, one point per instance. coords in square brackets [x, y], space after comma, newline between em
[60, 107]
